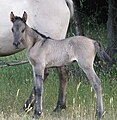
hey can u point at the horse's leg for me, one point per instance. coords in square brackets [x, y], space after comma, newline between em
[96, 84]
[61, 103]
[38, 72]
[31, 100]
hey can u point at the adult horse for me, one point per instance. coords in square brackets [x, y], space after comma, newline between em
[50, 17]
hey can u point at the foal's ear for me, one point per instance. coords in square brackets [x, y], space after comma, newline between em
[24, 17]
[12, 17]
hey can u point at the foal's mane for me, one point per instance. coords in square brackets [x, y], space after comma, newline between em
[42, 35]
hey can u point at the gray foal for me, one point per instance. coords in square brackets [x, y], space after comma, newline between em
[44, 52]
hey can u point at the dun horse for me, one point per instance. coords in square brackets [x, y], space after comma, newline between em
[44, 52]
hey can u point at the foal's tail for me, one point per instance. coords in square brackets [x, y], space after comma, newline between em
[101, 53]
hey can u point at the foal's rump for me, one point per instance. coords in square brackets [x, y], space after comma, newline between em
[85, 50]
[89, 48]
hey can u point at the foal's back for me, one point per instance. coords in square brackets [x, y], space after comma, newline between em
[78, 44]
[61, 52]
[77, 48]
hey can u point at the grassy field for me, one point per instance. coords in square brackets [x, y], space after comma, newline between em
[16, 83]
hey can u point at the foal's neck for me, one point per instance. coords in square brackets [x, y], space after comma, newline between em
[32, 37]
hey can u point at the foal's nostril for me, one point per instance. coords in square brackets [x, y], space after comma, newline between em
[16, 44]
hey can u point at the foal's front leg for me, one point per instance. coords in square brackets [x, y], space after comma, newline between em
[38, 90]
[31, 100]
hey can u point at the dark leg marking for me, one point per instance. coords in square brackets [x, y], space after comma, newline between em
[38, 91]
[31, 100]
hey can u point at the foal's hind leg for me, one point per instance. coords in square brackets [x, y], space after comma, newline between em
[61, 103]
[96, 84]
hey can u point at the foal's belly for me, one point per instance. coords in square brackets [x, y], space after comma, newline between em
[60, 61]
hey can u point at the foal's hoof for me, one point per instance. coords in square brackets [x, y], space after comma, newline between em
[99, 115]
[37, 115]
[59, 108]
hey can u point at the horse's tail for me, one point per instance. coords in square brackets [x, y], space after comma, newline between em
[71, 7]
[101, 53]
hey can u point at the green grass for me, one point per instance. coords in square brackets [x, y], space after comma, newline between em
[16, 83]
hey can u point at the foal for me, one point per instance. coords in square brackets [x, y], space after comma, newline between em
[44, 52]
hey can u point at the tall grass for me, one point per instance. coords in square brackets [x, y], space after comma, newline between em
[16, 83]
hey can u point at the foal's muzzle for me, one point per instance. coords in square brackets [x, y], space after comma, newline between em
[16, 44]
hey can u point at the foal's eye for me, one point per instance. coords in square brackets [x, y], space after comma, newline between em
[22, 30]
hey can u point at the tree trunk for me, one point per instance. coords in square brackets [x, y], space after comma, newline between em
[77, 23]
[112, 29]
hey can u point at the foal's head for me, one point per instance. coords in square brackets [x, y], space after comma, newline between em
[18, 28]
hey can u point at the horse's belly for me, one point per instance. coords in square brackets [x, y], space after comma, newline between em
[6, 39]
[6, 46]
[51, 18]
[58, 59]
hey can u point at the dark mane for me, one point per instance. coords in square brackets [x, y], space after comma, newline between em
[42, 35]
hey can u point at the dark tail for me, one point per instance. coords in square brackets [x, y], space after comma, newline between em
[101, 53]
